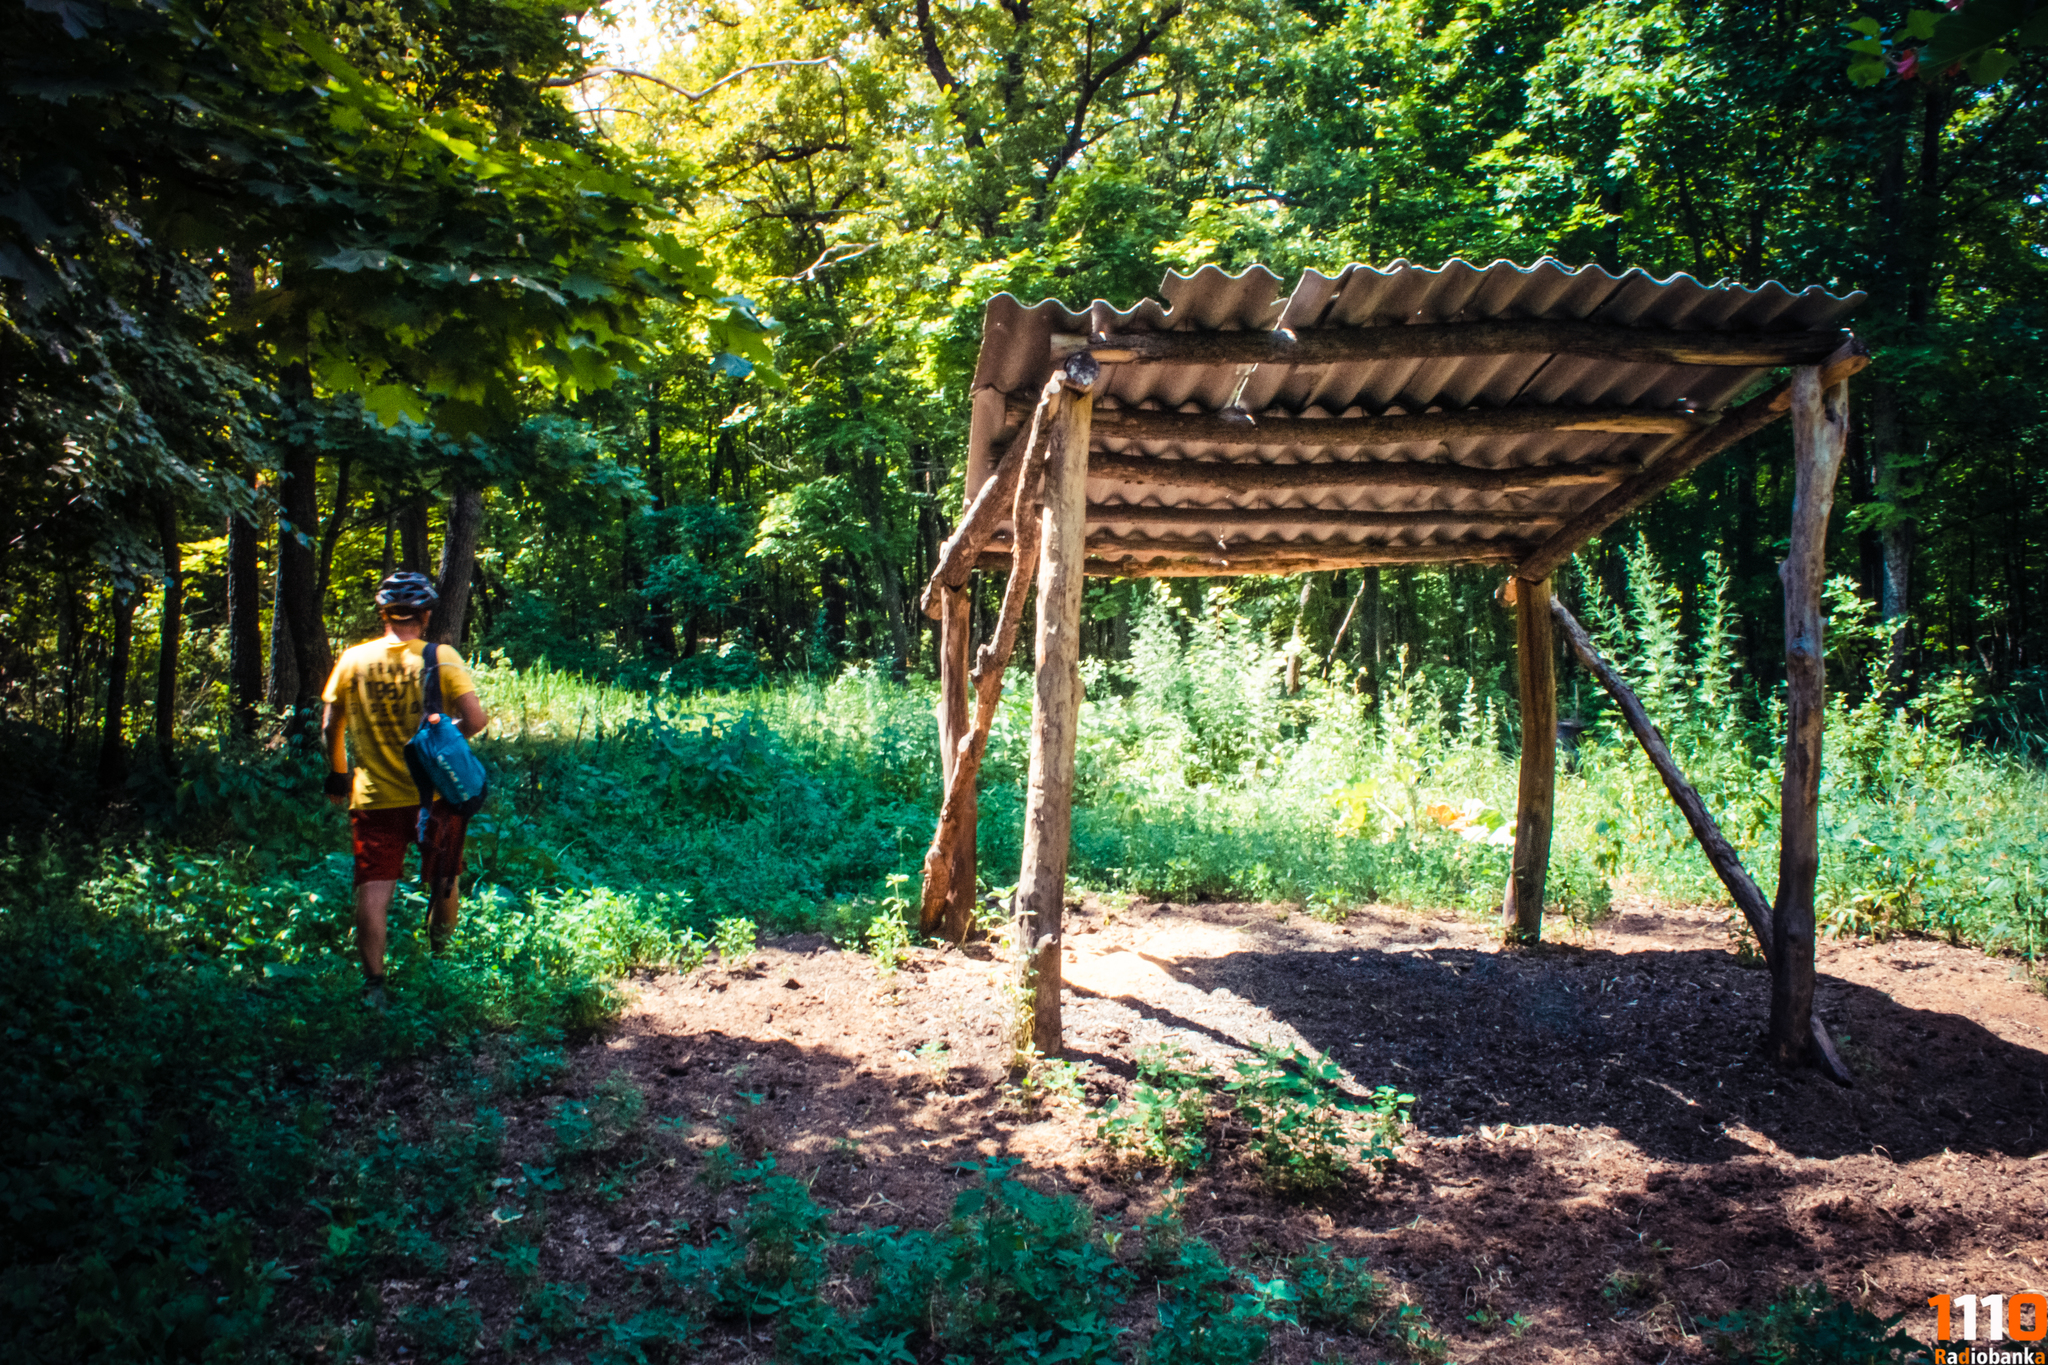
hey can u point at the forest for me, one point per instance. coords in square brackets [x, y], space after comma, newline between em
[649, 332]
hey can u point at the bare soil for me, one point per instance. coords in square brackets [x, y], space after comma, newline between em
[1598, 1146]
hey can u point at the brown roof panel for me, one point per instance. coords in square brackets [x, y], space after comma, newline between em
[1017, 358]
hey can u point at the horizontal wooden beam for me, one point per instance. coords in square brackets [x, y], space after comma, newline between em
[1752, 417]
[1242, 430]
[1447, 340]
[1232, 477]
[1365, 520]
[1189, 556]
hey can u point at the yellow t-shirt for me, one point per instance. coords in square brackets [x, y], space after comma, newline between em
[377, 685]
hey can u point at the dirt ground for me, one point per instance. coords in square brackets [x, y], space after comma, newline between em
[1597, 1146]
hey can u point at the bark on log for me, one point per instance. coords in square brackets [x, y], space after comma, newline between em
[1536, 669]
[1330, 554]
[1727, 864]
[1681, 460]
[958, 556]
[954, 914]
[1239, 430]
[1247, 477]
[1121, 513]
[1200, 559]
[1431, 341]
[1820, 429]
[1055, 713]
[958, 810]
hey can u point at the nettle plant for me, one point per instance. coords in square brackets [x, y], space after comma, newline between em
[1304, 1126]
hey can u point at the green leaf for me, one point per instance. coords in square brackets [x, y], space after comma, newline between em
[1864, 24]
[1989, 65]
[388, 403]
[1921, 23]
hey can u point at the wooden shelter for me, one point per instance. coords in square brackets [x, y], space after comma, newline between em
[1399, 416]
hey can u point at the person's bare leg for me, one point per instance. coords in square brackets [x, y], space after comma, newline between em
[373, 908]
[444, 905]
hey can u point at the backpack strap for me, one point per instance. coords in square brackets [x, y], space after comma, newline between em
[430, 683]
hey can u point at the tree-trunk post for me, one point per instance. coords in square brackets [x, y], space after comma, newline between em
[955, 694]
[1055, 713]
[1820, 432]
[1536, 664]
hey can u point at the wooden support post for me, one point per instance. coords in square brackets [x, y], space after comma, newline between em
[1727, 864]
[1055, 713]
[1820, 429]
[953, 915]
[957, 813]
[1537, 666]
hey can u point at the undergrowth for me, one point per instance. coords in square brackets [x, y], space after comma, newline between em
[181, 1006]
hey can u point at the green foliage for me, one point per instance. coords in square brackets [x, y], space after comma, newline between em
[1165, 1120]
[585, 1127]
[1809, 1324]
[1303, 1125]
[1335, 1291]
[733, 937]
[444, 1334]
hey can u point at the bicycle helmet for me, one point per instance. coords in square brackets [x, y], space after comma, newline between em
[406, 591]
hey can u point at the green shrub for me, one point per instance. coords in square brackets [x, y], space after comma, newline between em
[1165, 1120]
[443, 1335]
[1809, 1324]
[1303, 1125]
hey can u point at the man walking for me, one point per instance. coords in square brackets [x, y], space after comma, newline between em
[373, 701]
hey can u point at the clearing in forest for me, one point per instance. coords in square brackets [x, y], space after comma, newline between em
[1599, 1164]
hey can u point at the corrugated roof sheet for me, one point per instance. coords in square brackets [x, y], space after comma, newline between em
[1017, 358]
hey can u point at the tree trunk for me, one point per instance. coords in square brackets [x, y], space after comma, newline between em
[282, 677]
[1819, 436]
[894, 607]
[173, 630]
[413, 550]
[298, 568]
[113, 766]
[458, 563]
[1536, 665]
[245, 622]
[1055, 712]
[70, 650]
[955, 691]
[337, 522]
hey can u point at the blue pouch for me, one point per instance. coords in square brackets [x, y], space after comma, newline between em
[437, 755]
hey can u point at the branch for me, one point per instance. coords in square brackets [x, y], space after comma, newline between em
[1092, 82]
[691, 95]
[855, 251]
[935, 62]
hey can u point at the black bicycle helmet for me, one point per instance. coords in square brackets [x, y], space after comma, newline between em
[407, 591]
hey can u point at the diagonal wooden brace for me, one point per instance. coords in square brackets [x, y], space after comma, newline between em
[1727, 864]
[990, 661]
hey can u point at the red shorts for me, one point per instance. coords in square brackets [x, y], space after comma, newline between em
[382, 835]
